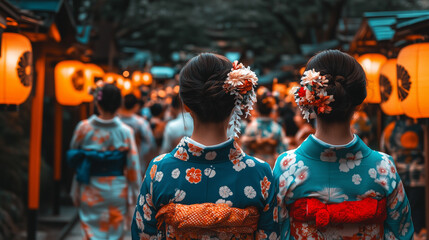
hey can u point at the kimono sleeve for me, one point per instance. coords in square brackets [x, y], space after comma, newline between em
[268, 220]
[398, 224]
[144, 225]
[79, 134]
[283, 183]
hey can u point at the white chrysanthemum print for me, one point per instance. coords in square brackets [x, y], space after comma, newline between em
[350, 162]
[141, 200]
[328, 155]
[273, 236]
[159, 175]
[393, 184]
[225, 192]
[149, 200]
[209, 172]
[179, 195]
[390, 236]
[139, 220]
[404, 228]
[288, 160]
[211, 155]
[394, 215]
[175, 173]
[356, 179]
[372, 173]
[250, 192]
[250, 163]
[383, 182]
[239, 166]
[224, 201]
[147, 212]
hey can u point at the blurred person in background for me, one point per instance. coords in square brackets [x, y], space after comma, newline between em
[361, 125]
[157, 122]
[287, 114]
[305, 128]
[180, 126]
[143, 133]
[107, 180]
[264, 138]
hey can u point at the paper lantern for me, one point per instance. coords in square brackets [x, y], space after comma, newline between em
[127, 87]
[111, 77]
[93, 73]
[413, 80]
[137, 78]
[390, 103]
[16, 62]
[70, 83]
[147, 79]
[371, 64]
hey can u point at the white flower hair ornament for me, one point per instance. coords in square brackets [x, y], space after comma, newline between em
[241, 83]
[311, 97]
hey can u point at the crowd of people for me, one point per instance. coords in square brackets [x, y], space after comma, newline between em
[216, 167]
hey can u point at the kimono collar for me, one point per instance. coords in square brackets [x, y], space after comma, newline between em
[114, 122]
[317, 150]
[192, 151]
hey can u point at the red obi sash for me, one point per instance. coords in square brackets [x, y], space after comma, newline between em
[368, 210]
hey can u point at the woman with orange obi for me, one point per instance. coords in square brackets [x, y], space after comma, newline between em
[333, 186]
[107, 165]
[207, 187]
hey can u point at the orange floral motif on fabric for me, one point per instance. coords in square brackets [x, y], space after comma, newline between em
[193, 175]
[265, 186]
[181, 154]
[153, 171]
[91, 196]
[193, 221]
[106, 180]
[195, 150]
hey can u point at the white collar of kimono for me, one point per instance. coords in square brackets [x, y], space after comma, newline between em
[353, 141]
[105, 120]
[190, 140]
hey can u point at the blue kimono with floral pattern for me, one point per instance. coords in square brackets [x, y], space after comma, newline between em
[193, 173]
[335, 174]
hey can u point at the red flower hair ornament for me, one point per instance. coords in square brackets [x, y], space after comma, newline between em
[241, 83]
[311, 97]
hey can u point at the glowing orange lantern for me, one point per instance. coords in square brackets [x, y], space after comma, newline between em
[147, 79]
[70, 83]
[127, 87]
[111, 77]
[413, 80]
[390, 103]
[93, 73]
[137, 78]
[372, 63]
[16, 62]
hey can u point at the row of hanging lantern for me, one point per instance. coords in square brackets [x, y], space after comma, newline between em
[399, 85]
[74, 79]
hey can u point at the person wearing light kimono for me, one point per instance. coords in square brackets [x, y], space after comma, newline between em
[207, 187]
[105, 156]
[333, 186]
[264, 138]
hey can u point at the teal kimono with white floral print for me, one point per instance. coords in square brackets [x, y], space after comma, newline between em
[340, 174]
[193, 173]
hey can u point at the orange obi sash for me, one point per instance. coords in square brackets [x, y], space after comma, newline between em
[368, 210]
[190, 221]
